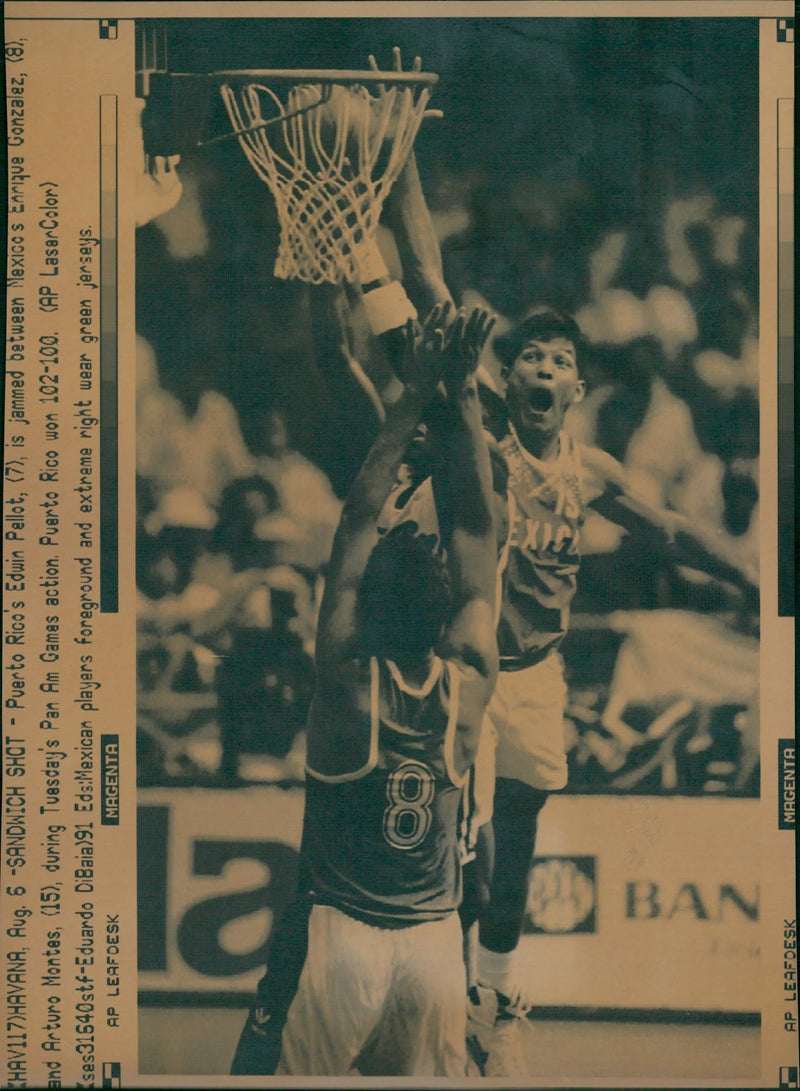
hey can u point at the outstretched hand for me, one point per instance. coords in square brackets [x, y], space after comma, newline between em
[444, 349]
[158, 189]
[466, 336]
[423, 363]
[397, 66]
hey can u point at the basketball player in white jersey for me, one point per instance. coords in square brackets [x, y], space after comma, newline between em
[552, 481]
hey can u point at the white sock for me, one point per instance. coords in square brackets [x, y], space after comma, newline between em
[496, 970]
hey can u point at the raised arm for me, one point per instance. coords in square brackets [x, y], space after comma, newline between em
[669, 532]
[357, 532]
[343, 344]
[388, 302]
[463, 488]
[411, 223]
[158, 187]
[416, 239]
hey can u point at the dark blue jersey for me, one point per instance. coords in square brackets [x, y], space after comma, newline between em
[381, 841]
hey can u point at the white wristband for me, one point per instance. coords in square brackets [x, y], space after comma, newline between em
[388, 307]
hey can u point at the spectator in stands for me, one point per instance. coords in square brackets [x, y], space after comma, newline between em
[305, 495]
[264, 673]
[202, 449]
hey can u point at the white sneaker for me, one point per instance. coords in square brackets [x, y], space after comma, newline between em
[482, 1009]
[494, 1032]
[518, 1003]
[505, 1055]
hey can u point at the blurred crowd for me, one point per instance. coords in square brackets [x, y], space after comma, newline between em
[230, 549]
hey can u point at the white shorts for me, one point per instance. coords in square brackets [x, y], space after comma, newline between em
[377, 1001]
[523, 734]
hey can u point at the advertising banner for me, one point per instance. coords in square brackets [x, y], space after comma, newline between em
[618, 917]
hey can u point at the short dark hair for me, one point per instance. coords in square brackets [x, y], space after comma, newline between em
[405, 597]
[542, 324]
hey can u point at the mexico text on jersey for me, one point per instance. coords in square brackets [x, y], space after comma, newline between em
[542, 555]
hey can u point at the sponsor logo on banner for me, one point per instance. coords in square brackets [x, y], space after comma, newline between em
[561, 895]
[646, 899]
[214, 870]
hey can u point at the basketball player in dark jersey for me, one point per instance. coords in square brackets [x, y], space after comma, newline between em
[259, 1044]
[406, 661]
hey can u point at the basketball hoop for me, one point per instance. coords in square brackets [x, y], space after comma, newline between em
[329, 145]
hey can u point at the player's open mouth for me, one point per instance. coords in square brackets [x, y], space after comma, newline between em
[540, 399]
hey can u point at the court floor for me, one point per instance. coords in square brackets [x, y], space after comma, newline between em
[201, 1041]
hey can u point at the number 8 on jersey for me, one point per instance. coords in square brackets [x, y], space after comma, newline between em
[409, 789]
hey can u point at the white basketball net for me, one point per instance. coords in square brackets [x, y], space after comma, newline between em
[329, 180]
